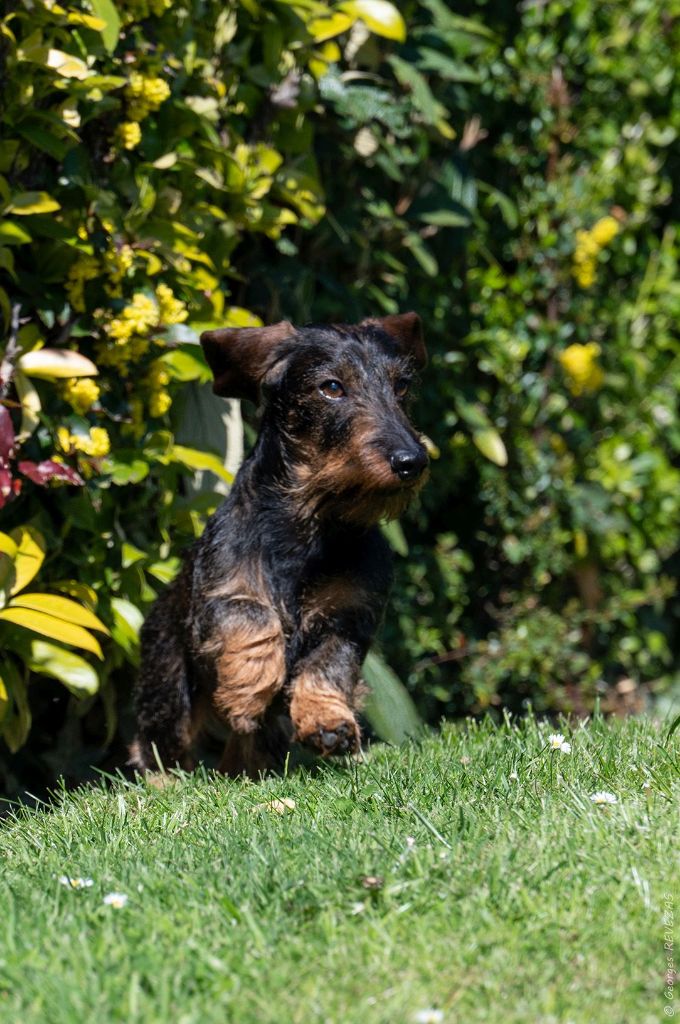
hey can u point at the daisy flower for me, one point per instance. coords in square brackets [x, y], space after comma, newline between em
[602, 798]
[428, 1016]
[75, 883]
[556, 741]
[115, 899]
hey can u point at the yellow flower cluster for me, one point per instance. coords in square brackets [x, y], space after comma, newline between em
[144, 95]
[588, 246]
[137, 318]
[581, 368]
[157, 381]
[128, 134]
[117, 263]
[95, 444]
[172, 310]
[85, 268]
[81, 393]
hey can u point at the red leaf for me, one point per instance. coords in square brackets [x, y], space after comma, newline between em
[6, 487]
[42, 472]
[6, 436]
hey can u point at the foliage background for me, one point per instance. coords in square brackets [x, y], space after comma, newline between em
[506, 170]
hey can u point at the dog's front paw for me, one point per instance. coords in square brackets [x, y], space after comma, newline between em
[329, 739]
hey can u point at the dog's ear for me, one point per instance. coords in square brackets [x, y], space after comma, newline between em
[240, 357]
[407, 330]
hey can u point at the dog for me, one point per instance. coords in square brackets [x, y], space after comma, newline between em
[268, 622]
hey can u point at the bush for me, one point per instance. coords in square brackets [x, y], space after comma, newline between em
[542, 248]
[144, 144]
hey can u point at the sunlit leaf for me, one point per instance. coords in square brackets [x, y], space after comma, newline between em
[55, 363]
[29, 556]
[379, 16]
[16, 723]
[491, 445]
[192, 458]
[389, 707]
[60, 608]
[55, 629]
[23, 204]
[74, 672]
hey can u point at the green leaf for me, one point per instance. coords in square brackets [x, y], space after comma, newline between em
[74, 672]
[445, 219]
[7, 545]
[389, 707]
[491, 445]
[395, 536]
[379, 16]
[4, 694]
[29, 556]
[194, 459]
[55, 629]
[186, 363]
[127, 622]
[16, 723]
[23, 204]
[12, 234]
[60, 608]
[125, 469]
[321, 29]
[55, 363]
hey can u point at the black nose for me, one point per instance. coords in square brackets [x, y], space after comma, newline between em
[409, 465]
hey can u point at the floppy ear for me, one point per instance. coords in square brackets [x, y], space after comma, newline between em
[407, 330]
[240, 357]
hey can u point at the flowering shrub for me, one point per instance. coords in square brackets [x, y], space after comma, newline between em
[133, 168]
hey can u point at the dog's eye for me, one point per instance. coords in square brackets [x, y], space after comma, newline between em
[401, 388]
[332, 389]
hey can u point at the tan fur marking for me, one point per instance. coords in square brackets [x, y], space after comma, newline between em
[315, 707]
[250, 671]
[355, 484]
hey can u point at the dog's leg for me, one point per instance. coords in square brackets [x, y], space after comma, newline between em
[250, 659]
[325, 693]
[162, 700]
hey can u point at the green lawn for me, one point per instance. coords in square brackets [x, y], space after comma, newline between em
[429, 877]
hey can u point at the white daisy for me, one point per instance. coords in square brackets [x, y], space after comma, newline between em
[75, 883]
[429, 1016]
[602, 798]
[513, 777]
[556, 741]
[115, 899]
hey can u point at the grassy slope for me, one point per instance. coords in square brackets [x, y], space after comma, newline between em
[520, 900]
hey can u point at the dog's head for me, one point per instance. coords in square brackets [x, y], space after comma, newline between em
[337, 397]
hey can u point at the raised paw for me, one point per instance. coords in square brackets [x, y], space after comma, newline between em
[338, 738]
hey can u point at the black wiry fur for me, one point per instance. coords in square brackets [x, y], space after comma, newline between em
[276, 605]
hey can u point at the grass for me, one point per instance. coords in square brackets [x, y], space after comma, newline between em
[427, 877]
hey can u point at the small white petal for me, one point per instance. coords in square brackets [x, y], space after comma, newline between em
[602, 797]
[428, 1016]
[75, 883]
[358, 908]
[115, 899]
[513, 777]
[565, 747]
